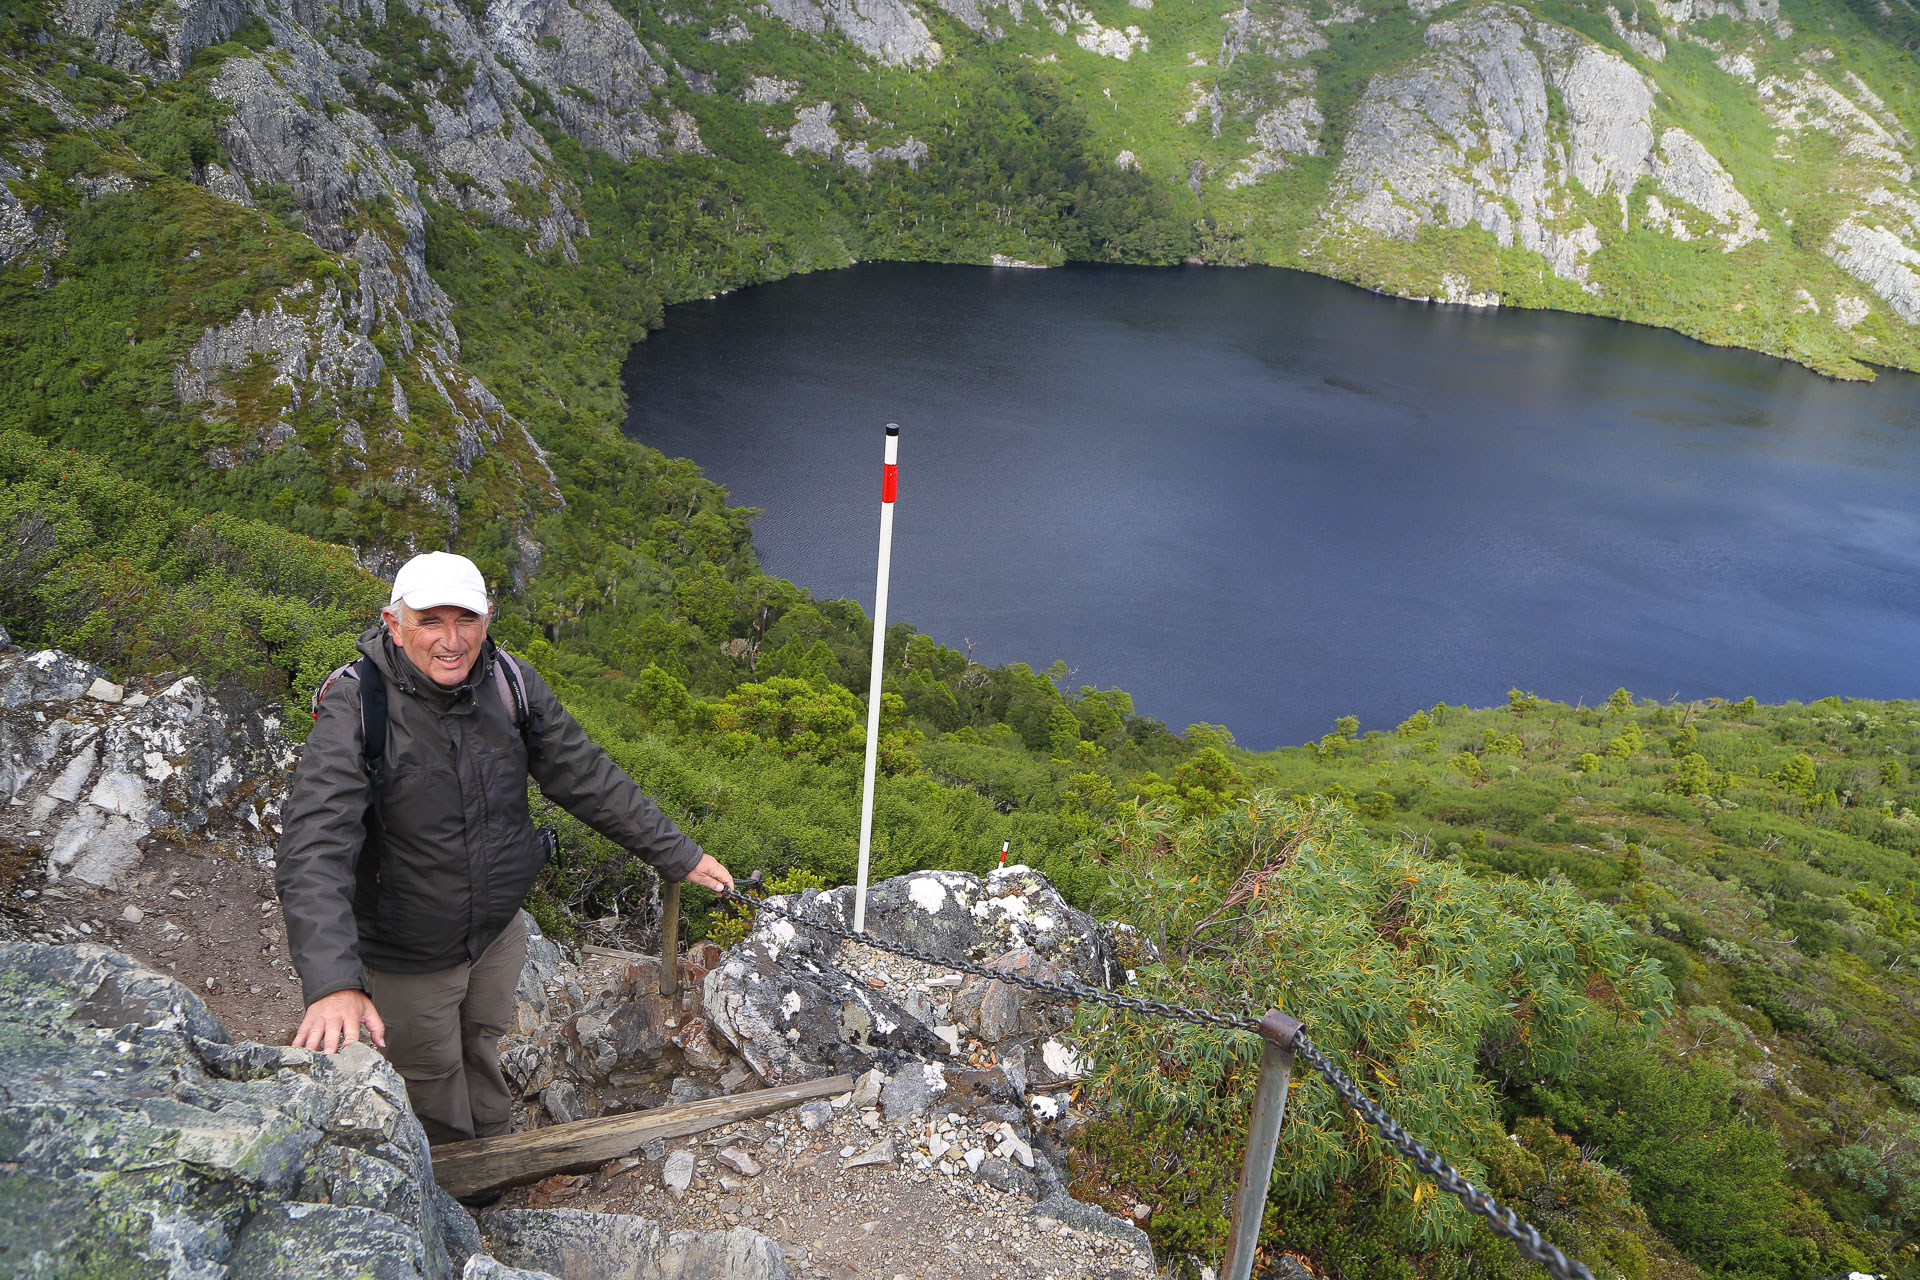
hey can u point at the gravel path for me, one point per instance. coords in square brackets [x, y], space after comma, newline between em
[889, 1220]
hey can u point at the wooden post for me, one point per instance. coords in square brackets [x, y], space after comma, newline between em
[670, 941]
[1263, 1137]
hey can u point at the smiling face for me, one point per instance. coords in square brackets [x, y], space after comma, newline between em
[443, 641]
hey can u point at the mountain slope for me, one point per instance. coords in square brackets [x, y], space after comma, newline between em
[325, 199]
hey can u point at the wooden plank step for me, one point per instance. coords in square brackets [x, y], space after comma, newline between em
[616, 953]
[482, 1164]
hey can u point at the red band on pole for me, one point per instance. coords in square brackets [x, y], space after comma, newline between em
[889, 482]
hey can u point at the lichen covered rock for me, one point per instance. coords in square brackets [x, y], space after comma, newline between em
[137, 1139]
[796, 1005]
[606, 1246]
[87, 780]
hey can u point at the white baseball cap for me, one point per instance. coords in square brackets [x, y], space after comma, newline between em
[437, 578]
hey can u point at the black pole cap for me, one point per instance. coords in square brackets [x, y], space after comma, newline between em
[893, 428]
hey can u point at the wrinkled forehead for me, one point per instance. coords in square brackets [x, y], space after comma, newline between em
[444, 614]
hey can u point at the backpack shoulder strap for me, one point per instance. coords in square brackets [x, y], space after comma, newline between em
[373, 723]
[513, 693]
[373, 727]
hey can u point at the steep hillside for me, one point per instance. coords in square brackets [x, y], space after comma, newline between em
[1763, 855]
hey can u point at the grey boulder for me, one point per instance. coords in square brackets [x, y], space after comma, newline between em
[138, 1139]
[46, 676]
[789, 1001]
[605, 1246]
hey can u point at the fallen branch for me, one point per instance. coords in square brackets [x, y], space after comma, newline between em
[1250, 884]
[482, 1164]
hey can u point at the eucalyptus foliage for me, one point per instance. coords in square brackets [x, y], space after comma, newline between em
[1415, 978]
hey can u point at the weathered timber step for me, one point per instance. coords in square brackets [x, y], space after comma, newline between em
[482, 1164]
[616, 953]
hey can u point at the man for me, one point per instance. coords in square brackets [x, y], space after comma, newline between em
[407, 921]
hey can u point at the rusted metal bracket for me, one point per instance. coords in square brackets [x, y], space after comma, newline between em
[1278, 1030]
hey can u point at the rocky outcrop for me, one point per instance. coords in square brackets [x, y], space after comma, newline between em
[1688, 12]
[1481, 92]
[770, 91]
[910, 153]
[157, 40]
[1810, 101]
[1875, 240]
[1467, 136]
[601, 77]
[305, 340]
[797, 1004]
[1646, 43]
[813, 130]
[1882, 261]
[1686, 171]
[889, 30]
[25, 230]
[1280, 31]
[89, 771]
[1118, 43]
[1293, 129]
[140, 1140]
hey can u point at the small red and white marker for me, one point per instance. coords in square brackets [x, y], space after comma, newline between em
[889, 488]
[1004, 846]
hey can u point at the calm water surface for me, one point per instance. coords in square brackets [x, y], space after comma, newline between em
[1264, 499]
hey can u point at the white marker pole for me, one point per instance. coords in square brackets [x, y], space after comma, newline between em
[889, 481]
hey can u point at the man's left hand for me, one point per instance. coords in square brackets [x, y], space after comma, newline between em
[711, 873]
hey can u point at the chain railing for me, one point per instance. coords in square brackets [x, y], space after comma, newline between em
[1284, 1037]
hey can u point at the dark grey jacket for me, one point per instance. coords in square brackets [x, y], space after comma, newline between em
[459, 852]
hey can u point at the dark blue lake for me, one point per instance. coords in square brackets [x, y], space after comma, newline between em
[1264, 499]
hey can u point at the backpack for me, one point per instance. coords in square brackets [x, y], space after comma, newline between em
[373, 717]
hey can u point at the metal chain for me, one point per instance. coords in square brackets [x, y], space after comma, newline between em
[1505, 1221]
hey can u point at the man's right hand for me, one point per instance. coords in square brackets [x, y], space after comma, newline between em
[334, 1021]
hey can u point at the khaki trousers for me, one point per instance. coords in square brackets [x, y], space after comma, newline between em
[443, 1037]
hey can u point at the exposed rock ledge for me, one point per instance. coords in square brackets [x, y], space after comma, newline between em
[137, 1139]
[89, 769]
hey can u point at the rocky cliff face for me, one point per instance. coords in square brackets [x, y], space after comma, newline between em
[1520, 127]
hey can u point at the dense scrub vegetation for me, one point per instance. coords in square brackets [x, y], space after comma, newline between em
[1759, 1117]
